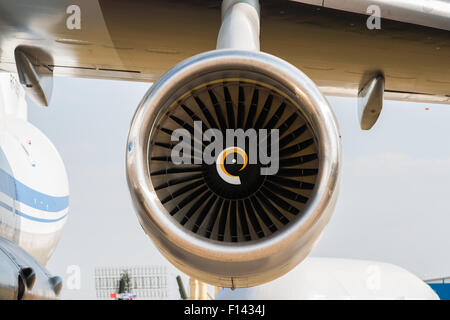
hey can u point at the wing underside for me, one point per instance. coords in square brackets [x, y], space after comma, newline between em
[139, 40]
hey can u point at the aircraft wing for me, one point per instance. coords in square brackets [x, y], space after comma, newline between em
[327, 39]
[430, 13]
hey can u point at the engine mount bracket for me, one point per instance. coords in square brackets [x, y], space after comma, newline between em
[370, 101]
[240, 25]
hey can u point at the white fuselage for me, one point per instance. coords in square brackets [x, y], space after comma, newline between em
[34, 191]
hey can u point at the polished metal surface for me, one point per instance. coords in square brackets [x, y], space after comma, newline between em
[240, 25]
[35, 77]
[240, 264]
[24, 278]
[370, 101]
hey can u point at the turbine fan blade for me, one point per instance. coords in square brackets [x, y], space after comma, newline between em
[253, 108]
[195, 207]
[212, 123]
[188, 199]
[241, 108]
[291, 183]
[286, 193]
[183, 190]
[292, 136]
[243, 220]
[287, 124]
[176, 181]
[206, 209]
[286, 172]
[253, 219]
[289, 162]
[272, 209]
[296, 148]
[280, 202]
[223, 220]
[230, 108]
[180, 169]
[264, 112]
[233, 222]
[263, 215]
[213, 217]
[276, 116]
[218, 110]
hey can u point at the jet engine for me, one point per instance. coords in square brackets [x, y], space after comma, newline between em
[24, 278]
[234, 221]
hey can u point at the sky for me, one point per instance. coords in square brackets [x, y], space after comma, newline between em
[393, 203]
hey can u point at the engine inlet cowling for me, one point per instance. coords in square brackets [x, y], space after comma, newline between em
[233, 164]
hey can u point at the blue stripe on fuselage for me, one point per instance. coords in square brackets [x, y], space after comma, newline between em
[19, 213]
[35, 199]
[39, 219]
[4, 205]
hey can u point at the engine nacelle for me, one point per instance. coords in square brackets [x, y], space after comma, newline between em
[216, 213]
[22, 277]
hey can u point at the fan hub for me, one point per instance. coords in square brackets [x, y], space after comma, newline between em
[250, 181]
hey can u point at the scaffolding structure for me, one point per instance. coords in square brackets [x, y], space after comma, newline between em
[145, 282]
